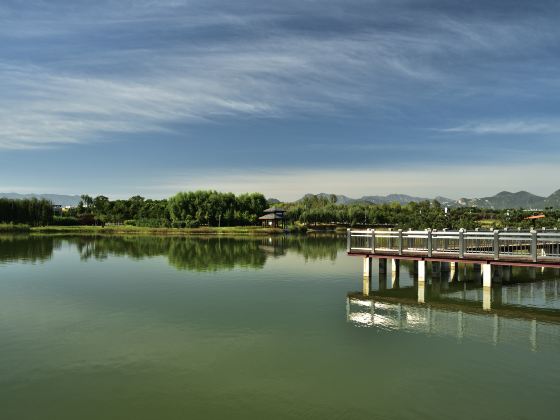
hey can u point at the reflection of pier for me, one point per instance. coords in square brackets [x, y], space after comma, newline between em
[423, 310]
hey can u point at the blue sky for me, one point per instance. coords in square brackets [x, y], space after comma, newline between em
[353, 97]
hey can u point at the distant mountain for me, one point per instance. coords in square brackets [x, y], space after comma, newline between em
[392, 198]
[553, 200]
[506, 200]
[340, 199]
[63, 200]
[502, 200]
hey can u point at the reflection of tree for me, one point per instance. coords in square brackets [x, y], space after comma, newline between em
[197, 254]
[25, 248]
[316, 247]
[185, 253]
[215, 254]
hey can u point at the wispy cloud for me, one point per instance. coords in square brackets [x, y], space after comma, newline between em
[507, 127]
[111, 68]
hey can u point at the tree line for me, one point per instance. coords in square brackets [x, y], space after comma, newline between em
[185, 209]
[320, 210]
[32, 211]
[212, 208]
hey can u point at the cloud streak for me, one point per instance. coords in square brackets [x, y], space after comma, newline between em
[511, 127]
[205, 67]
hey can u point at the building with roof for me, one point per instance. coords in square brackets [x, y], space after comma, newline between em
[273, 217]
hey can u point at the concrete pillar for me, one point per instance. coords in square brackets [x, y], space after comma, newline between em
[532, 273]
[366, 285]
[421, 281]
[395, 271]
[395, 265]
[436, 268]
[435, 288]
[421, 271]
[497, 295]
[382, 281]
[477, 272]
[486, 298]
[497, 274]
[415, 267]
[486, 275]
[453, 268]
[394, 280]
[367, 266]
[421, 292]
[506, 273]
[382, 265]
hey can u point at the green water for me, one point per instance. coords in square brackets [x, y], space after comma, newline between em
[177, 328]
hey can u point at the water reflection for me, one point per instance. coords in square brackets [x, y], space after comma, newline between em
[521, 308]
[183, 253]
[22, 248]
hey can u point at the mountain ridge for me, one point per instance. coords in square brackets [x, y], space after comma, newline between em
[500, 201]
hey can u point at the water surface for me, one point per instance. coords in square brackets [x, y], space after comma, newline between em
[277, 328]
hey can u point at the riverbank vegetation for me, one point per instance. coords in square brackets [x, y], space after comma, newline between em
[14, 228]
[211, 212]
[142, 230]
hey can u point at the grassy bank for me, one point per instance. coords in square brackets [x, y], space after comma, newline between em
[135, 230]
[13, 228]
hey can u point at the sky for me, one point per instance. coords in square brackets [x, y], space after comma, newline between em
[420, 97]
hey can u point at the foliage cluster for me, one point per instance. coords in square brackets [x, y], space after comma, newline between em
[184, 210]
[32, 211]
[320, 210]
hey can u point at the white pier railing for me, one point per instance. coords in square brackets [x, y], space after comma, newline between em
[523, 246]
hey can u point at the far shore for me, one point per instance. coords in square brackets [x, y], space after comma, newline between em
[135, 230]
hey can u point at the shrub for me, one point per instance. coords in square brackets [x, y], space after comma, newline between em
[65, 221]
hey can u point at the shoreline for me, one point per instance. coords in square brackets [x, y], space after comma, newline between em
[135, 230]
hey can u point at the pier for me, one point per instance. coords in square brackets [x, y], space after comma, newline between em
[489, 251]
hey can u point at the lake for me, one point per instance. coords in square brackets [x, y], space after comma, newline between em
[253, 328]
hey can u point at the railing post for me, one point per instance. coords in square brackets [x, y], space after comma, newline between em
[429, 242]
[373, 241]
[348, 240]
[496, 244]
[534, 245]
[461, 243]
[400, 242]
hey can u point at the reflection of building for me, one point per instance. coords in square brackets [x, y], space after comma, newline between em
[273, 217]
[275, 247]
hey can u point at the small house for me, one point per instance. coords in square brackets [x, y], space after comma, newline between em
[273, 217]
